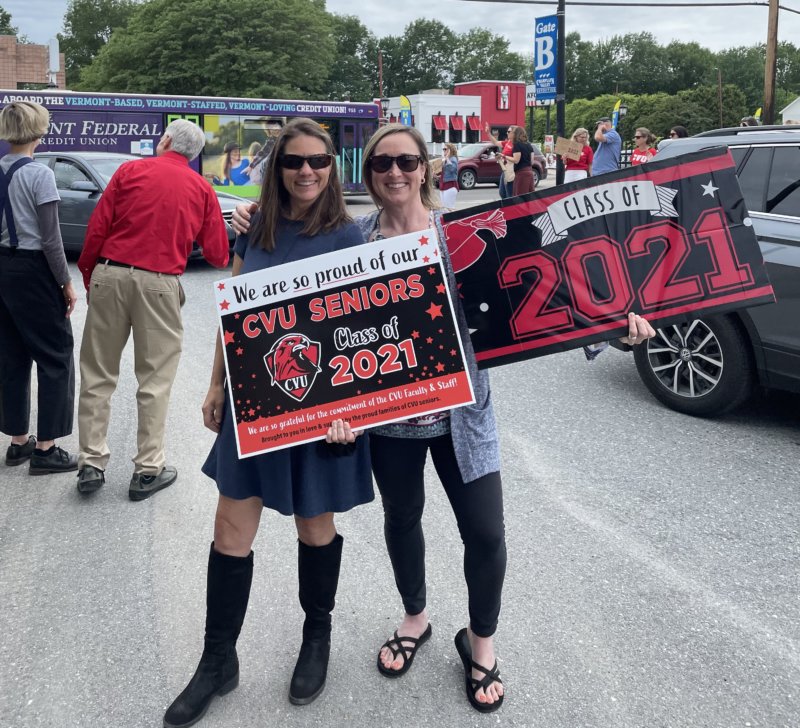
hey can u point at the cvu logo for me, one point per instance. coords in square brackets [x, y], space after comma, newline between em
[293, 364]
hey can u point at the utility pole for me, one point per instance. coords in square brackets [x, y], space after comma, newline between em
[771, 62]
[561, 83]
[719, 92]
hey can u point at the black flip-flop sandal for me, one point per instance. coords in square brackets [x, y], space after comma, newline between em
[473, 685]
[399, 645]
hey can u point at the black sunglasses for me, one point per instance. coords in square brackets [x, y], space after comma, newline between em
[296, 161]
[638, 136]
[405, 162]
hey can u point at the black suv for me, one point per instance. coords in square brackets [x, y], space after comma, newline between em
[712, 364]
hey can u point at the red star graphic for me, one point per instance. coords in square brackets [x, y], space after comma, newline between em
[239, 351]
[220, 286]
[278, 407]
[423, 240]
[229, 337]
[429, 340]
[238, 401]
[238, 386]
[426, 259]
[441, 331]
[224, 305]
[236, 316]
[251, 412]
[440, 367]
[431, 270]
[440, 288]
[453, 352]
[434, 311]
[415, 334]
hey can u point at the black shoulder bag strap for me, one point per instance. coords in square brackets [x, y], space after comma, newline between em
[5, 200]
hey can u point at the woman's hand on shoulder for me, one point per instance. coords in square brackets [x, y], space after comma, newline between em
[241, 218]
[340, 433]
[639, 330]
[214, 407]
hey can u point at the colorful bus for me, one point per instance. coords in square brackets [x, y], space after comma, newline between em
[239, 132]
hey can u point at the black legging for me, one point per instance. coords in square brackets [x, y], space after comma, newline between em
[398, 465]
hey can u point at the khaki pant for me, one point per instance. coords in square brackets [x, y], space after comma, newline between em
[122, 300]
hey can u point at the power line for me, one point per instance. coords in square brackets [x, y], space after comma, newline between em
[641, 4]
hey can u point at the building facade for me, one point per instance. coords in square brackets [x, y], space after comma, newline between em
[459, 117]
[23, 65]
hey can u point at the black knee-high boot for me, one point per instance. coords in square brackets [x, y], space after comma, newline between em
[228, 591]
[318, 572]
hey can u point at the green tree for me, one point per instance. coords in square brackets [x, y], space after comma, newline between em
[353, 74]
[5, 23]
[88, 25]
[687, 65]
[262, 48]
[481, 54]
[422, 58]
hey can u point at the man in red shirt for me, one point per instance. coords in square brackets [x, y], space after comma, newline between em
[137, 243]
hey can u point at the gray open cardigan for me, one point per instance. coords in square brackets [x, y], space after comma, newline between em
[472, 427]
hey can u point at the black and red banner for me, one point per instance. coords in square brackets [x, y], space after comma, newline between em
[365, 334]
[556, 270]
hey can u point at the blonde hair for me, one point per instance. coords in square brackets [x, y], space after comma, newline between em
[580, 130]
[452, 149]
[426, 190]
[23, 122]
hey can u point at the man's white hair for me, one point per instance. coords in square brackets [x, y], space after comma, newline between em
[188, 139]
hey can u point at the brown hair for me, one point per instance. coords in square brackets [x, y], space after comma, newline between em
[326, 213]
[646, 133]
[426, 190]
[519, 134]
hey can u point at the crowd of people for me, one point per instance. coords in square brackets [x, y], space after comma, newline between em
[135, 288]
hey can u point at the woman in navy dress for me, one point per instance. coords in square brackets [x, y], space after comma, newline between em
[302, 214]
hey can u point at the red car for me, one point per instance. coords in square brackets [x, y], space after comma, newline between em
[476, 163]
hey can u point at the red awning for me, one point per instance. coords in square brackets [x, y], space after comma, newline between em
[440, 123]
[474, 123]
[457, 123]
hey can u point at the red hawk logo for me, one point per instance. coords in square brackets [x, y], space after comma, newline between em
[293, 364]
[463, 242]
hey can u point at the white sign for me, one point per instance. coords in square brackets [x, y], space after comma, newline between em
[530, 95]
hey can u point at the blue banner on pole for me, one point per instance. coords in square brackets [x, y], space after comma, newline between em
[544, 58]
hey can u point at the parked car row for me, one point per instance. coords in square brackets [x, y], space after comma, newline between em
[81, 178]
[712, 364]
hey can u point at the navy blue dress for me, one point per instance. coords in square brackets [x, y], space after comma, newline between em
[304, 480]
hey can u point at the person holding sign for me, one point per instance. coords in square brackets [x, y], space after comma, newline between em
[302, 214]
[580, 168]
[463, 444]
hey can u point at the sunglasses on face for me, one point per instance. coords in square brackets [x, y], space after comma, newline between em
[639, 136]
[673, 134]
[405, 162]
[296, 161]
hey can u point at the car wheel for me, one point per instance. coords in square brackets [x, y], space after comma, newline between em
[536, 177]
[703, 367]
[467, 179]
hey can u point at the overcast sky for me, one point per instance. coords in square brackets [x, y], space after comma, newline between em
[714, 28]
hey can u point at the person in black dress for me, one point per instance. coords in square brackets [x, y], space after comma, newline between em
[301, 214]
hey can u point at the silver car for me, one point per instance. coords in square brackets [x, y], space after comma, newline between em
[81, 178]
